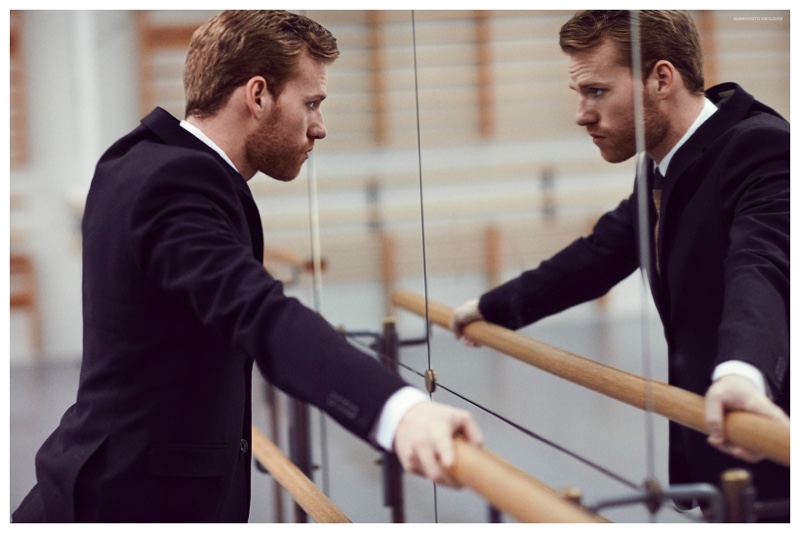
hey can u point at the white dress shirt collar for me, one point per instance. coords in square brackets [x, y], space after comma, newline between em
[708, 109]
[194, 130]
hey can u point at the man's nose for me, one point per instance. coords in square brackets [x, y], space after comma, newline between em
[317, 129]
[585, 115]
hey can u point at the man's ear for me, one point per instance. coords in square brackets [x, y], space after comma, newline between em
[664, 77]
[257, 96]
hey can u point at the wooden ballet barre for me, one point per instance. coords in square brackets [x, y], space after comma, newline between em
[512, 491]
[506, 487]
[290, 258]
[746, 429]
[303, 490]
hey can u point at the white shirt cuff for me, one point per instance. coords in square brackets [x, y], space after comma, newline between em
[393, 411]
[746, 370]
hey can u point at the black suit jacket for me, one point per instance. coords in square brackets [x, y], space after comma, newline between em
[723, 292]
[177, 306]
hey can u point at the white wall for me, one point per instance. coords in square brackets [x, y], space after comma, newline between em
[80, 69]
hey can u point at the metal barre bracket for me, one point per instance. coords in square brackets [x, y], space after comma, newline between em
[652, 496]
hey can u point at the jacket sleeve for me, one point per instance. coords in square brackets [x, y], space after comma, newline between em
[755, 318]
[191, 239]
[584, 270]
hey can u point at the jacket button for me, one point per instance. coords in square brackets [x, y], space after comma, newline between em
[243, 446]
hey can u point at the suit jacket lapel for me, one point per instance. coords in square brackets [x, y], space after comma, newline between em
[733, 103]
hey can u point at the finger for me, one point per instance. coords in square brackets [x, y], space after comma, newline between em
[763, 406]
[449, 481]
[428, 464]
[443, 462]
[445, 452]
[469, 429]
[741, 453]
[746, 455]
[471, 343]
[408, 459]
[443, 448]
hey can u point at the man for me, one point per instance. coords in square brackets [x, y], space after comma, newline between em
[177, 304]
[719, 232]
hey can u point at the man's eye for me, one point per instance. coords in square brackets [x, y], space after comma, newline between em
[595, 91]
[313, 105]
